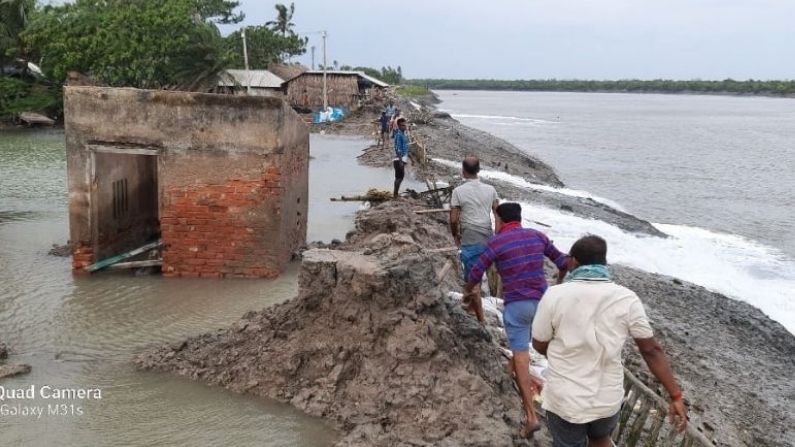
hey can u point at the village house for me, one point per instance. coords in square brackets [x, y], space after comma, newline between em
[250, 82]
[345, 89]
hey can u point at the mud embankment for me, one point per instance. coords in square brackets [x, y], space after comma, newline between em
[447, 139]
[737, 366]
[10, 369]
[372, 343]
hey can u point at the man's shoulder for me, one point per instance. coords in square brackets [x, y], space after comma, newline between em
[463, 187]
[484, 186]
[532, 233]
[606, 288]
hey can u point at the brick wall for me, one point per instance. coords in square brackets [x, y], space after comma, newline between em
[232, 176]
[223, 230]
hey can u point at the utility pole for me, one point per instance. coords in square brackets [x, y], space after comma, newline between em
[245, 61]
[325, 86]
[313, 57]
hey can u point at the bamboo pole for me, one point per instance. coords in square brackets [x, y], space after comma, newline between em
[661, 403]
[640, 421]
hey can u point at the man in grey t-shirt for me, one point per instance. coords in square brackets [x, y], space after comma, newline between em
[471, 206]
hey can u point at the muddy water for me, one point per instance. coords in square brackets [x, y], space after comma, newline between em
[81, 332]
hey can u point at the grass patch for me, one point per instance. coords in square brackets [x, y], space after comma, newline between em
[413, 90]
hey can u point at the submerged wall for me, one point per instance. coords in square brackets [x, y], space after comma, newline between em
[231, 178]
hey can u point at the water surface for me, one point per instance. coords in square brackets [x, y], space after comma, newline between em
[713, 172]
[83, 331]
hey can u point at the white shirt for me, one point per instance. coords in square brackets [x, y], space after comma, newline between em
[586, 323]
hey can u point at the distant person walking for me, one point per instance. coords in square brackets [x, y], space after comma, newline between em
[581, 327]
[390, 110]
[401, 154]
[471, 206]
[519, 255]
[383, 122]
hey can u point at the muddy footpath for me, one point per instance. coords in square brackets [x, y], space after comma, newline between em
[375, 343]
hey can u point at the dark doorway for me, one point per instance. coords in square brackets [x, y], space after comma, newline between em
[124, 200]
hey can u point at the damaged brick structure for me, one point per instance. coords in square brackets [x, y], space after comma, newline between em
[222, 179]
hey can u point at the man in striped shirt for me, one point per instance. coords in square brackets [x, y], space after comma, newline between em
[519, 255]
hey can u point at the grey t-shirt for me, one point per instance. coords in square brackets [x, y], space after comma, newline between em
[475, 200]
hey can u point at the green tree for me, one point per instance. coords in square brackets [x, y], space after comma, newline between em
[284, 17]
[14, 15]
[139, 43]
[219, 11]
[264, 47]
[20, 95]
[391, 75]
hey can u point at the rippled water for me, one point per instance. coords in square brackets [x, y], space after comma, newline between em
[715, 173]
[82, 332]
[717, 162]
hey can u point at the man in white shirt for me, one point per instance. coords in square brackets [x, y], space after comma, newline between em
[581, 327]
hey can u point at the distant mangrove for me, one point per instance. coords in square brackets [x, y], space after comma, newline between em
[727, 86]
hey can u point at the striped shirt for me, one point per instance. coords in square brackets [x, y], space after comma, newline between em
[519, 255]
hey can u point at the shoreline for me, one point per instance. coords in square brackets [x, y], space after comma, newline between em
[633, 92]
[727, 353]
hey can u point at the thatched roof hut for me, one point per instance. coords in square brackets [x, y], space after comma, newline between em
[346, 89]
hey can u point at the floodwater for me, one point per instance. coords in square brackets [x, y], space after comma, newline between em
[79, 332]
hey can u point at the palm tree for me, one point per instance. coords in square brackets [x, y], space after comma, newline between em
[284, 17]
[14, 16]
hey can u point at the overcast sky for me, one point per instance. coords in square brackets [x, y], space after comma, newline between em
[522, 39]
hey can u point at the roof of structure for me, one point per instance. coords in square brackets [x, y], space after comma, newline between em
[254, 78]
[360, 74]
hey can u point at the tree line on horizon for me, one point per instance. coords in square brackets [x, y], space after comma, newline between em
[750, 86]
[155, 44]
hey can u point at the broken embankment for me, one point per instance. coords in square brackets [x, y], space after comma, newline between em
[372, 343]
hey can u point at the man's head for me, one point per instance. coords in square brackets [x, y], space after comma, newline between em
[401, 122]
[383, 113]
[508, 212]
[470, 166]
[588, 250]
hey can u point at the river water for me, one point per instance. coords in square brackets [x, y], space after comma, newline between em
[714, 172]
[79, 332]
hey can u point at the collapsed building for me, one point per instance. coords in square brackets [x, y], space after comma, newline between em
[220, 182]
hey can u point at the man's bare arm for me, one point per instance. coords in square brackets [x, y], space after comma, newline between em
[540, 346]
[455, 221]
[658, 365]
[561, 275]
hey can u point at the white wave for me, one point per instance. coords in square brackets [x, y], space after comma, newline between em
[501, 117]
[522, 183]
[734, 266]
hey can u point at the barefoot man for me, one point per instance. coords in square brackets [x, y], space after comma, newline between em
[519, 255]
[471, 205]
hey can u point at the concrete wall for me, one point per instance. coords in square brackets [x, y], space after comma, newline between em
[232, 175]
